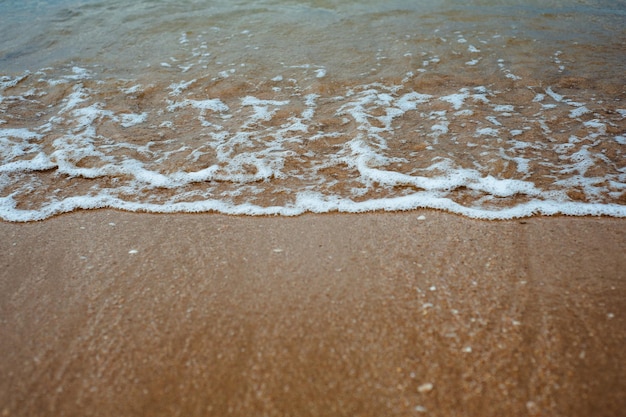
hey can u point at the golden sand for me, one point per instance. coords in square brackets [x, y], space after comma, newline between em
[106, 313]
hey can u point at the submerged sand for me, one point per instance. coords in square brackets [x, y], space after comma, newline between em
[107, 313]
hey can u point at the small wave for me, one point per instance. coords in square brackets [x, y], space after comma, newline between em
[259, 137]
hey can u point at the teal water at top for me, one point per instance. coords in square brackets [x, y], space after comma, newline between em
[39, 33]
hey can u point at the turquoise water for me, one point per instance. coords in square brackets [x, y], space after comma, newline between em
[488, 109]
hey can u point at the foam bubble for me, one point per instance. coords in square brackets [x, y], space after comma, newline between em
[487, 131]
[555, 96]
[262, 107]
[79, 95]
[504, 108]
[178, 88]
[456, 99]
[130, 119]
[7, 82]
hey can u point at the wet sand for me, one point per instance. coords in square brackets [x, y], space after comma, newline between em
[106, 313]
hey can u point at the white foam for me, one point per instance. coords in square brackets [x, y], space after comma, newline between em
[480, 95]
[493, 120]
[487, 131]
[244, 159]
[523, 164]
[310, 99]
[86, 116]
[440, 128]
[579, 111]
[78, 95]
[7, 82]
[20, 133]
[79, 74]
[40, 162]
[132, 90]
[504, 187]
[456, 100]
[215, 105]
[226, 73]
[178, 88]
[16, 145]
[504, 108]
[314, 203]
[261, 107]
[131, 119]
[539, 98]
[410, 101]
[555, 96]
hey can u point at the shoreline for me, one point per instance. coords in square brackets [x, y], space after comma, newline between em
[115, 313]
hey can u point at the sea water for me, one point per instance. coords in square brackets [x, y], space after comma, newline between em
[492, 109]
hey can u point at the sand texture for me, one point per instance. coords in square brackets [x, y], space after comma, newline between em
[107, 313]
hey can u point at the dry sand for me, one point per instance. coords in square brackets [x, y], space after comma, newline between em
[106, 313]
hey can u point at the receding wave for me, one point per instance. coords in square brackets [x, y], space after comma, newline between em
[454, 122]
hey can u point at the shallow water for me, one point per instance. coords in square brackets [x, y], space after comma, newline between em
[485, 108]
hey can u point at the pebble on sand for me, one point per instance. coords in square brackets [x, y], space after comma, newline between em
[424, 388]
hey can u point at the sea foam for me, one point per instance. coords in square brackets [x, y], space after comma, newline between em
[225, 121]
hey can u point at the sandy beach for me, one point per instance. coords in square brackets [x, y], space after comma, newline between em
[107, 313]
